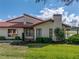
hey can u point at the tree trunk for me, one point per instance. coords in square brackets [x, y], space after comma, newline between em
[23, 37]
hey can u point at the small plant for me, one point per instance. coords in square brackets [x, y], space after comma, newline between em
[2, 38]
[17, 38]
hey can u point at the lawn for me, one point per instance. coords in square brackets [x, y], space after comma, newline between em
[39, 51]
[12, 52]
[52, 51]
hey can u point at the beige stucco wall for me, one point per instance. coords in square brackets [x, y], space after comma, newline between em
[45, 29]
[4, 32]
[45, 26]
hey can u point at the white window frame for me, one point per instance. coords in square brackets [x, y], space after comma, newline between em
[50, 32]
[38, 32]
[11, 34]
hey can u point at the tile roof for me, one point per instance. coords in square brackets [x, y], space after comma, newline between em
[13, 25]
[43, 22]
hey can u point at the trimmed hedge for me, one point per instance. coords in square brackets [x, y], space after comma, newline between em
[43, 40]
[73, 39]
[2, 38]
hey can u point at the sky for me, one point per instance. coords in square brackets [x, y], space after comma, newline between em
[14, 8]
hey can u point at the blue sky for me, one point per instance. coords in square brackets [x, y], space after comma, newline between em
[9, 8]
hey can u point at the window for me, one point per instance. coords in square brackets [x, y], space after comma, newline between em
[29, 32]
[12, 32]
[50, 32]
[38, 32]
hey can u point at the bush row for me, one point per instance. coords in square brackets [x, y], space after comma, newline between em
[74, 39]
[43, 40]
[4, 38]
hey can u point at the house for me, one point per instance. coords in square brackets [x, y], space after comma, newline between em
[32, 27]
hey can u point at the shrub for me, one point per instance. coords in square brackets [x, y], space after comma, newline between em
[59, 33]
[2, 38]
[73, 39]
[18, 43]
[23, 36]
[43, 40]
[17, 38]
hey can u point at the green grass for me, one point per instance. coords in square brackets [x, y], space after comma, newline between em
[52, 51]
[12, 52]
[39, 51]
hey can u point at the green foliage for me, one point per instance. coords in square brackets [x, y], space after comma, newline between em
[43, 40]
[52, 51]
[8, 51]
[59, 33]
[41, 1]
[66, 2]
[23, 36]
[2, 38]
[18, 43]
[73, 39]
[17, 38]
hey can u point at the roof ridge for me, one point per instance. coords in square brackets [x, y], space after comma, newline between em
[33, 17]
[15, 18]
[23, 16]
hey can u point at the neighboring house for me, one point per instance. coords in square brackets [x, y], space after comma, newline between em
[31, 26]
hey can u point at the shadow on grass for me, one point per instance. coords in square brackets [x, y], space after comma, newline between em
[34, 44]
[30, 45]
[37, 45]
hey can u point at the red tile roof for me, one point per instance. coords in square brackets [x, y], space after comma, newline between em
[35, 21]
[13, 25]
[22, 25]
[42, 22]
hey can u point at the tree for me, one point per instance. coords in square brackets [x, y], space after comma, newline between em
[59, 33]
[67, 2]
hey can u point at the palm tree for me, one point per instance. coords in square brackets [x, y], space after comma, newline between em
[67, 2]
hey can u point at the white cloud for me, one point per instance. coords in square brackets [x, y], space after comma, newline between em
[48, 13]
[67, 18]
[10, 17]
[1, 20]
